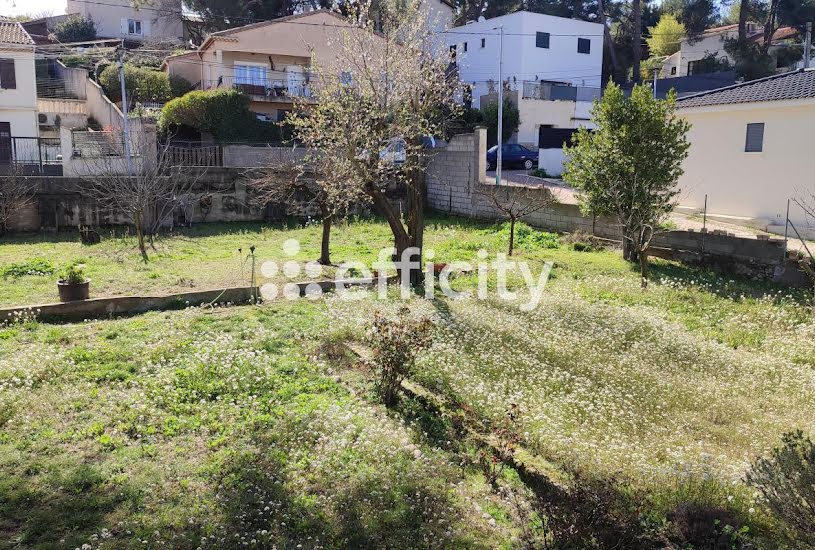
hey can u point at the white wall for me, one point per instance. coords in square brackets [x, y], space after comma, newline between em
[754, 185]
[19, 106]
[161, 19]
[523, 61]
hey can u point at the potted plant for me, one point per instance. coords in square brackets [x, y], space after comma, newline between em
[72, 284]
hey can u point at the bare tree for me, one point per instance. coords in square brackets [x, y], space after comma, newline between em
[299, 186]
[146, 190]
[377, 101]
[515, 202]
[16, 193]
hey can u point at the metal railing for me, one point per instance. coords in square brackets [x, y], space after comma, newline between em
[285, 87]
[58, 88]
[30, 155]
[192, 153]
[554, 91]
[92, 144]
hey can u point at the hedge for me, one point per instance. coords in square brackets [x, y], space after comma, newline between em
[142, 84]
[222, 113]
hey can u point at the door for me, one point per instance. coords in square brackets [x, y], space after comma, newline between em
[5, 143]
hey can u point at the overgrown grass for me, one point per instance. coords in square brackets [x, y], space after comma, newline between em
[214, 428]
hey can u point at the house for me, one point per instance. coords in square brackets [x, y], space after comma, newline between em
[18, 93]
[751, 146]
[552, 67]
[696, 55]
[269, 61]
[156, 19]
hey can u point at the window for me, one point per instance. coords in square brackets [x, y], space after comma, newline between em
[453, 52]
[583, 45]
[673, 70]
[8, 80]
[755, 138]
[346, 78]
[542, 40]
[252, 75]
[465, 46]
[134, 27]
[483, 42]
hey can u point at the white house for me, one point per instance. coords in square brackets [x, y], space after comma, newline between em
[552, 67]
[18, 88]
[156, 19]
[690, 59]
[751, 149]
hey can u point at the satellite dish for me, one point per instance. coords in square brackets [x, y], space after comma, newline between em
[481, 18]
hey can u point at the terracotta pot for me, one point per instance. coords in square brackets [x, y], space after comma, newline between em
[71, 292]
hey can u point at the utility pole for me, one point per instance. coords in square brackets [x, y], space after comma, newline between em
[656, 71]
[126, 124]
[500, 157]
[808, 45]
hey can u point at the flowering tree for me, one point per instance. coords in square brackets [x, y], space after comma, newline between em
[16, 193]
[375, 102]
[628, 167]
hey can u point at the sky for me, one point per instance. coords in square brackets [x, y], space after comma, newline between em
[33, 7]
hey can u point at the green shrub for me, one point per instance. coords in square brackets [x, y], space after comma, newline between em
[37, 267]
[73, 274]
[75, 29]
[786, 481]
[222, 113]
[179, 86]
[142, 84]
[78, 61]
[532, 238]
[539, 173]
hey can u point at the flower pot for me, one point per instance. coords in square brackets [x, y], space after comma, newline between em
[70, 292]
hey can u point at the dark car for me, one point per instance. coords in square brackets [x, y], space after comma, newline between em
[512, 155]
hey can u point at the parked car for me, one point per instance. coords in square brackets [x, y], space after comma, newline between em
[512, 155]
[395, 150]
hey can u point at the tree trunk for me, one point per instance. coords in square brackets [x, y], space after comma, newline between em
[402, 240]
[601, 12]
[636, 8]
[325, 249]
[415, 219]
[744, 10]
[644, 267]
[770, 26]
[511, 235]
[629, 247]
[138, 222]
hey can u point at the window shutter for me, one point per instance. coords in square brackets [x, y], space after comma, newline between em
[124, 26]
[755, 138]
[8, 80]
[542, 39]
[583, 45]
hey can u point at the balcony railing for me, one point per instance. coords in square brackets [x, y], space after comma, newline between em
[554, 91]
[30, 156]
[58, 88]
[284, 88]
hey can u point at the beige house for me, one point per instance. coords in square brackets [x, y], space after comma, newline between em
[269, 61]
[18, 93]
[751, 150]
[689, 60]
[154, 19]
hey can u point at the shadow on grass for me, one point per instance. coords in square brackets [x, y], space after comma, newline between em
[62, 512]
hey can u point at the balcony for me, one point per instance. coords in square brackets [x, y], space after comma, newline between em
[557, 91]
[284, 89]
[30, 156]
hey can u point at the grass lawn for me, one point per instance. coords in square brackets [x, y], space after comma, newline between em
[232, 427]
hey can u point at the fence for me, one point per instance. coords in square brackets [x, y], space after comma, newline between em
[31, 156]
[91, 144]
[285, 85]
[553, 91]
[193, 154]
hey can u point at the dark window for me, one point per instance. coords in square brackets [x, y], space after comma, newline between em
[673, 70]
[8, 80]
[755, 138]
[583, 45]
[465, 46]
[542, 39]
[453, 52]
[483, 42]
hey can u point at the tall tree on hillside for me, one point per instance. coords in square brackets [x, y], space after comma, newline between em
[664, 39]
[694, 15]
[636, 39]
[628, 167]
[394, 89]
